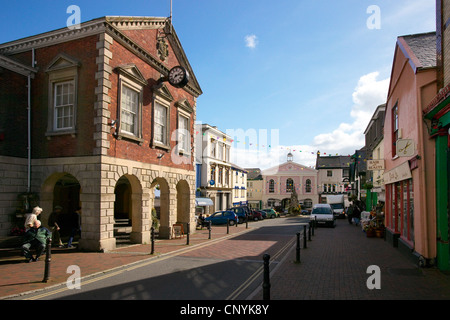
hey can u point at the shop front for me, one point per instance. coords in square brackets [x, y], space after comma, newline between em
[399, 218]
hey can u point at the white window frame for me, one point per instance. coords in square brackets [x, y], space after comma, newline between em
[126, 82]
[164, 122]
[64, 105]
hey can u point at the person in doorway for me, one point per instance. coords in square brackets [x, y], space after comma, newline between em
[54, 222]
[36, 237]
[31, 218]
[75, 225]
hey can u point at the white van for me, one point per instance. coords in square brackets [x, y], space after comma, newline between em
[323, 214]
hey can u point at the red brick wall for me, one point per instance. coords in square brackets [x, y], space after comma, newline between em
[13, 114]
[130, 150]
[83, 50]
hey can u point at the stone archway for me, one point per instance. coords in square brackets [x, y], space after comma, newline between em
[183, 203]
[128, 204]
[60, 189]
[165, 219]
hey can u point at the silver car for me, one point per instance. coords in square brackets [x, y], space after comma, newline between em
[323, 214]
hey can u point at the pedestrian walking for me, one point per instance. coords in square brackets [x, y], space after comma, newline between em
[35, 238]
[75, 225]
[357, 214]
[350, 213]
[54, 223]
[31, 218]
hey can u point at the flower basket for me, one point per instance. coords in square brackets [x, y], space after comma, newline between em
[370, 233]
[379, 233]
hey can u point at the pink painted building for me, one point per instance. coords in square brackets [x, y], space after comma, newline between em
[408, 152]
[280, 181]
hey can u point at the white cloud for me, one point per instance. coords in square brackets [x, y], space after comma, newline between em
[344, 140]
[251, 41]
[348, 137]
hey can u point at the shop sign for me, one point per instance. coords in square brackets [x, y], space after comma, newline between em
[405, 147]
[375, 164]
[402, 172]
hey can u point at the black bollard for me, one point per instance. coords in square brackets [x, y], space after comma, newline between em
[152, 240]
[187, 233]
[304, 236]
[309, 232]
[228, 226]
[209, 227]
[246, 222]
[312, 227]
[298, 248]
[266, 282]
[48, 259]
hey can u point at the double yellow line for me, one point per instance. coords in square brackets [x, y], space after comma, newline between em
[258, 272]
[129, 268]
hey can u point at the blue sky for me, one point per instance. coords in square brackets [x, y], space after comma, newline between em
[312, 71]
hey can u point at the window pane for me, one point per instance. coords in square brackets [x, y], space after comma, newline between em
[160, 123]
[64, 110]
[129, 107]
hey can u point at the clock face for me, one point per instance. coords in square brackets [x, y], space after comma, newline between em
[178, 77]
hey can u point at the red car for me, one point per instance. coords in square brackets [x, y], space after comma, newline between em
[255, 215]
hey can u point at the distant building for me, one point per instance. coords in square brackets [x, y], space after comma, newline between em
[255, 188]
[214, 169]
[374, 134]
[333, 175]
[239, 186]
[279, 183]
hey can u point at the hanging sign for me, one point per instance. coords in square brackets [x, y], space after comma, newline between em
[402, 172]
[375, 164]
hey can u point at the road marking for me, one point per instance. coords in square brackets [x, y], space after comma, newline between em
[258, 273]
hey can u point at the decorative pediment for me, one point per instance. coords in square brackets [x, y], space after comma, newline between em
[185, 105]
[132, 72]
[62, 61]
[164, 92]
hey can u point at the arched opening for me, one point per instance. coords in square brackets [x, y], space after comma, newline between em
[128, 211]
[183, 203]
[61, 189]
[162, 207]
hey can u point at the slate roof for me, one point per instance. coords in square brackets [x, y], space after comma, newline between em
[332, 162]
[423, 46]
[253, 174]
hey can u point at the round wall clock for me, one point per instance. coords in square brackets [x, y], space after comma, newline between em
[178, 77]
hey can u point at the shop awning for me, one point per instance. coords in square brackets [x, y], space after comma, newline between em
[203, 202]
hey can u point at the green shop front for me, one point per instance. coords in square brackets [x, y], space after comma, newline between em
[438, 115]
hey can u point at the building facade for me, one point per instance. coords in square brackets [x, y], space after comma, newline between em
[333, 175]
[374, 134]
[437, 117]
[239, 186]
[105, 126]
[279, 183]
[409, 175]
[214, 169]
[255, 183]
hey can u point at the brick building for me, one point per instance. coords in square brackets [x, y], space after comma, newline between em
[106, 127]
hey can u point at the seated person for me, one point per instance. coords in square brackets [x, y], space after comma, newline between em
[36, 237]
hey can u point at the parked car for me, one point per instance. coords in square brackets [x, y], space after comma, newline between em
[242, 212]
[221, 217]
[255, 215]
[323, 214]
[270, 213]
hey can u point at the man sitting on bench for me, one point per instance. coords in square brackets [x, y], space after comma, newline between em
[36, 237]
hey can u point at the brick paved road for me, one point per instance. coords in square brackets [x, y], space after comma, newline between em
[334, 267]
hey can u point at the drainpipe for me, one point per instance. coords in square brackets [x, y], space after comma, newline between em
[29, 124]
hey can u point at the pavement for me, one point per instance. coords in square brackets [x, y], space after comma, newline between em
[334, 266]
